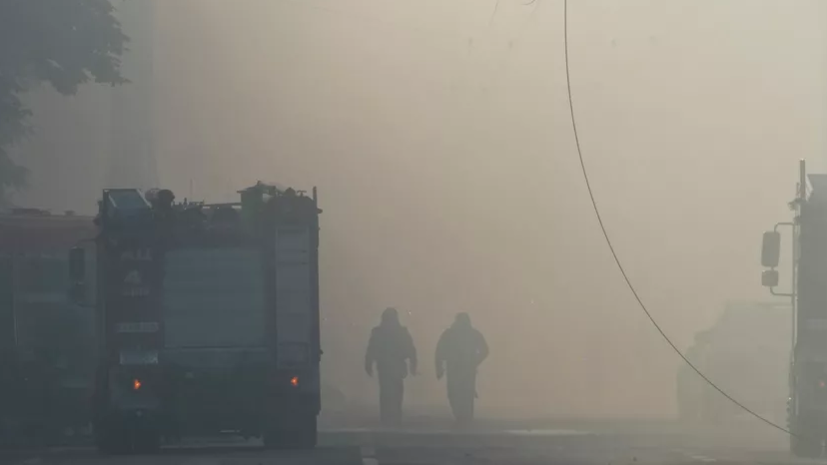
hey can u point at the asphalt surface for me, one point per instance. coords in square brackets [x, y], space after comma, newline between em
[605, 443]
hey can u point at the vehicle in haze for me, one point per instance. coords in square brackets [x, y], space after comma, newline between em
[807, 400]
[746, 353]
[47, 348]
[208, 318]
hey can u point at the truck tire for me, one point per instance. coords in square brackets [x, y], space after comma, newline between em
[804, 448]
[146, 441]
[800, 443]
[111, 439]
[121, 438]
[301, 434]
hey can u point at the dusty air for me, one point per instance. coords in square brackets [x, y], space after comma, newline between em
[379, 232]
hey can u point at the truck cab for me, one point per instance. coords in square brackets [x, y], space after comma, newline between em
[47, 348]
[807, 401]
[207, 317]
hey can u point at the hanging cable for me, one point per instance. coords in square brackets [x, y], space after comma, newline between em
[614, 253]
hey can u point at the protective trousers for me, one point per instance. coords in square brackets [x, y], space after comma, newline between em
[462, 390]
[391, 392]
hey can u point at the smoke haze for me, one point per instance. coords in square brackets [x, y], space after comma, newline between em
[439, 137]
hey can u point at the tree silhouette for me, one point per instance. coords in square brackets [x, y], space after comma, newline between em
[63, 43]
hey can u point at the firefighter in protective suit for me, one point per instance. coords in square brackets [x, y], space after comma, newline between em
[462, 349]
[392, 350]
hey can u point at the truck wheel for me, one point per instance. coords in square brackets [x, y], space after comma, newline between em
[299, 435]
[146, 441]
[800, 443]
[111, 439]
[120, 438]
[801, 447]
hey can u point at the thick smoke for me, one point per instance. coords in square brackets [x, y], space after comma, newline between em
[439, 137]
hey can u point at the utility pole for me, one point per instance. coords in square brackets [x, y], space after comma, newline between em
[132, 161]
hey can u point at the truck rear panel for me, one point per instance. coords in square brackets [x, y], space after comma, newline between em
[217, 318]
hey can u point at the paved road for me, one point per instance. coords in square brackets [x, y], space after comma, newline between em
[598, 445]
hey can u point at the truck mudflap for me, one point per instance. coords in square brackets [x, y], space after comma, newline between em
[290, 426]
[808, 432]
[129, 430]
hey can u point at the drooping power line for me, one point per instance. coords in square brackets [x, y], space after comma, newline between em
[614, 253]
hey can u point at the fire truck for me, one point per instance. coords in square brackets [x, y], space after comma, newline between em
[807, 401]
[46, 346]
[208, 318]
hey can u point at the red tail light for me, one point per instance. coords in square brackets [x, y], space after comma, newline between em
[294, 381]
[136, 384]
